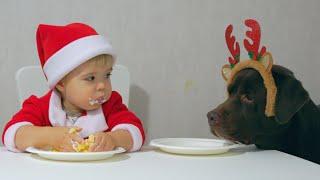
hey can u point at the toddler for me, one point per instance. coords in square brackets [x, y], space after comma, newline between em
[77, 63]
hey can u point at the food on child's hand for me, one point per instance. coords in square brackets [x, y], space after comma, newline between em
[85, 145]
[72, 130]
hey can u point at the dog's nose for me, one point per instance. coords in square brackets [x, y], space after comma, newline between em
[213, 118]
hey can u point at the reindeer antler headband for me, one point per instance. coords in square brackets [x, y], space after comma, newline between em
[260, 61]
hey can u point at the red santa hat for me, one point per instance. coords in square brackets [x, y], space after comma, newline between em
[63, 48]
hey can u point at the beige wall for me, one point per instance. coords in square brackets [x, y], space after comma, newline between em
[174, 49]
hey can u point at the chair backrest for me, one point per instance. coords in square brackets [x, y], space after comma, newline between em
[30, 80]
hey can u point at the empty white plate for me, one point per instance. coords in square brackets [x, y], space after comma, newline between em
[74, 156]
[193, 146]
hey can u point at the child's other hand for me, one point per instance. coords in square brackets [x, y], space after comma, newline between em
[69, 140]
[102, 142]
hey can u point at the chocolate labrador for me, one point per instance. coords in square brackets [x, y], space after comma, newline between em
[295, 128]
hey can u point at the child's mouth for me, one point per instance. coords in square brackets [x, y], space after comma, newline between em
[99, 100]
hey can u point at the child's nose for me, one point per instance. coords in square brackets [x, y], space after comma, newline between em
[101, 85]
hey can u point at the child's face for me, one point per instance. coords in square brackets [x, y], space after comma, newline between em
[86, 87]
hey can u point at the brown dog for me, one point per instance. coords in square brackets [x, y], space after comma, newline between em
[295, 128]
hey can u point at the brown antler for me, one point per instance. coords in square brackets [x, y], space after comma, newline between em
[254, 35]
[234, 50]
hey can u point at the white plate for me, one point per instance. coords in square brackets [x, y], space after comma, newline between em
[193, 146]
[74, 156]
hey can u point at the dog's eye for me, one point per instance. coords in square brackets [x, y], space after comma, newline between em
[246, 99]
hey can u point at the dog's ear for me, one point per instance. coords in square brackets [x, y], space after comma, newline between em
[291, 96]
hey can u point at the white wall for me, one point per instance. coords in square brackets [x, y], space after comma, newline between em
[174, 49]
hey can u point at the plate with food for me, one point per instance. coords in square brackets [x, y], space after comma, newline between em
[74, 156]
[193, 146]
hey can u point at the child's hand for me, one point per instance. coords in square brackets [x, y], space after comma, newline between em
[69, 140]
[102, 142]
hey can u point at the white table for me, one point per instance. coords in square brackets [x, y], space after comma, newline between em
[246, 163]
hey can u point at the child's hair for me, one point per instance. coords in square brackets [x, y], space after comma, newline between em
[100, 60]
[103, 59]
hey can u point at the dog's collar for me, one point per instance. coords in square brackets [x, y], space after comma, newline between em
[261, 61]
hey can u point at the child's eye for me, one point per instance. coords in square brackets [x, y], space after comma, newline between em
[108, 75]
[90, 78]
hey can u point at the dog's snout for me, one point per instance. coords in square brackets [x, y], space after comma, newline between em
[213, 117]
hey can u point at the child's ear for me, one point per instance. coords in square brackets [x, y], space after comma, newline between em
[60, 86]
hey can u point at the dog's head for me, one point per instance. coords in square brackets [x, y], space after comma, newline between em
[241, 118]
[263, 97]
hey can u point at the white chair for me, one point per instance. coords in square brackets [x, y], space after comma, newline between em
[30, 80]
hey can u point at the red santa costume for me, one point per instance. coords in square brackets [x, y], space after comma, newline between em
[61, 49]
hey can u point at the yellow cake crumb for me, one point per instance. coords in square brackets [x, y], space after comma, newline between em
[72, 130]
[84, 146]
[80, 147]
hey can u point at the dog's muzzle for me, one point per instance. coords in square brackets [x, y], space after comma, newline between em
[214, 118]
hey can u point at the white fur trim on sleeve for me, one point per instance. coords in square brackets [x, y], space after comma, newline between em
[10, 135]
[135, 134]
